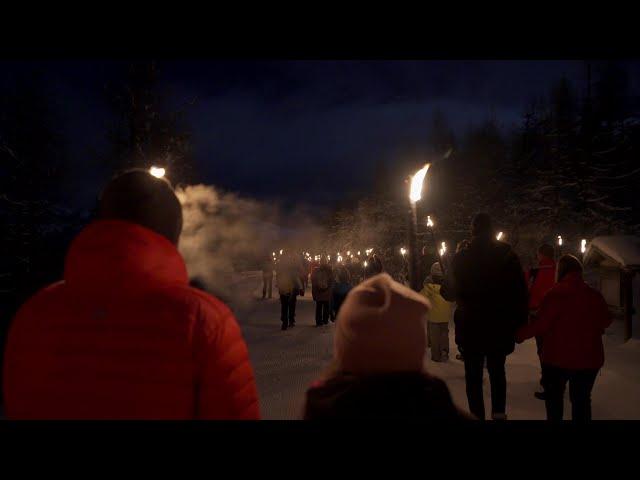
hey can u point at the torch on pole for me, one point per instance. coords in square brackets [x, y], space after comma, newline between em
[413, 248]
[415, 194]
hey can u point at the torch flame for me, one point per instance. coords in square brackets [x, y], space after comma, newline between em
[403, 251]
[499, 236]
[415, 193]
[429, 221]
[157, 172]
[560, 240]
[583, 245]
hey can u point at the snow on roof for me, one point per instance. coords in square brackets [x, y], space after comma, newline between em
[623, 249]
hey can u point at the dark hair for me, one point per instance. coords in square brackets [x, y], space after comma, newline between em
[546, 250]
[139, 197]
[481, 225]
[568, 264]
[343, 275]
[462, 244]
[374, 266]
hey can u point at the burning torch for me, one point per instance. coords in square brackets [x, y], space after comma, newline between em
[157, 172]
[415, 194]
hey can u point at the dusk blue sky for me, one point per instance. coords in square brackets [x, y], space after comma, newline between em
[302, 130]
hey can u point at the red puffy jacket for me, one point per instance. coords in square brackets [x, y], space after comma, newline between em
[123, 336]
[544, 281]
[571, 321]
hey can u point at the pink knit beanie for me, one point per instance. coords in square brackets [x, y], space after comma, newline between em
[381, 328]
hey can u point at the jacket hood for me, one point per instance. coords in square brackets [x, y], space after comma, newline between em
[115, 252]
[432, 287]
[546, 262]
[401, 395]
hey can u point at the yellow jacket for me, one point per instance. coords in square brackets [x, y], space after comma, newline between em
[441, 310]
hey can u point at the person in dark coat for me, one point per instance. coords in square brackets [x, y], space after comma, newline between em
[373, 266]
[267, 277]
[458, 313]
[571, 321]
[340, 290]
[321, 288]
[489, 286]
[289, 287]
[378, 369]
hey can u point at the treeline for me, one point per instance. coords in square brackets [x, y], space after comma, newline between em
[38, 170]
[571, 167]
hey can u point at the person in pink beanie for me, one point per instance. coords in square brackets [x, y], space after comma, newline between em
[378, 367]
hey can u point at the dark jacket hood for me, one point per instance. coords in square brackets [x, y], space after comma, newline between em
[411, 396]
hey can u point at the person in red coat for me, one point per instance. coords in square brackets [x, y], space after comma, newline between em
[123, 335]
[571, 321]
[540, 280]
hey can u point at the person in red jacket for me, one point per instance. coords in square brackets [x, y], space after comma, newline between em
[540, 280]
[123, 335]
[571, 321]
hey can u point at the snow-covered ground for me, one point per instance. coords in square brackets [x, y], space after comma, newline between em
[286, 363]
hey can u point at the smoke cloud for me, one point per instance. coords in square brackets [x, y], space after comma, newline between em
[225, 234]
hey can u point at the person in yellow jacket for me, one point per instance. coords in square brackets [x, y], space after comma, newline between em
[439, 316]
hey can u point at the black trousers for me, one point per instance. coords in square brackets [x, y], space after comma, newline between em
[288, 309]
[473, 373]
[322, 312]
[554, 381]
[267, 285]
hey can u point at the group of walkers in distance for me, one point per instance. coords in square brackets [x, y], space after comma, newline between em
[125, 336]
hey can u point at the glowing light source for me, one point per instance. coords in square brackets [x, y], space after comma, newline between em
[559, 240]
[583, 245]
[443, 248]
[403, 251]
[157, 172]
[429, 221]
[358, 252]
[365, 263]
[280, 251]
[417, 180]
[499, 236]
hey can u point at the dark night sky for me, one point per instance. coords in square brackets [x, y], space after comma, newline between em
[303, 131]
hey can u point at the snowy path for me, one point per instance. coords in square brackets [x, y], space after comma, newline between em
[286, 363]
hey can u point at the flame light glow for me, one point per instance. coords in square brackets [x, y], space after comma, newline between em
[417, 180]
[499, 236]
[429, 221]
[403, 251]
[157, 172]
[560, 240]
[583, 245]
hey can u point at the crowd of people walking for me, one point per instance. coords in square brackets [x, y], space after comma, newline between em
[125, 336]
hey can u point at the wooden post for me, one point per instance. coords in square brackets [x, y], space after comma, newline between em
[627, 295]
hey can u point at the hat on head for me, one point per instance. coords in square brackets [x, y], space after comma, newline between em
[436, 270]
[481, 225]
[139, 197]
[381, 328]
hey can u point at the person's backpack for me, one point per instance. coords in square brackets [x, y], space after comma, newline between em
[322, 279]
